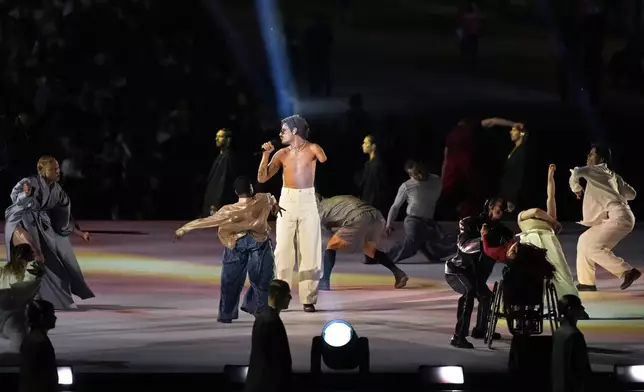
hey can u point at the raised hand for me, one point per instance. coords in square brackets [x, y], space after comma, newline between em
[551, 170]
[268, 147]
[27, 189]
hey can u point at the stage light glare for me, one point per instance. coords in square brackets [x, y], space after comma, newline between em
[630, 374]
[337, 333]
[65, 375]
[451, 375]
[435, 375]
[236, 374]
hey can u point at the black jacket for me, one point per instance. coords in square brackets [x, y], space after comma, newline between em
[470, 254]
[270, 356]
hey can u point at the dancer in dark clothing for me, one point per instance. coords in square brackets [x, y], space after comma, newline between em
[219, 188]
[468, 272]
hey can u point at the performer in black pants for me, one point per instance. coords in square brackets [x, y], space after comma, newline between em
[468, 272]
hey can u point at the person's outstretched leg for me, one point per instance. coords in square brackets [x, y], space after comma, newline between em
[329, 263]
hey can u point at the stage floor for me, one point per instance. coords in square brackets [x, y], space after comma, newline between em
[156, 306]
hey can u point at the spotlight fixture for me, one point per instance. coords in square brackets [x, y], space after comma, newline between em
[236, 374]
[340, 348]
[631, 376]
[442, 375]
[65, 376]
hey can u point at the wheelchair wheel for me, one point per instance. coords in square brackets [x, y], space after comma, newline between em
[495, 312]
[551, 302]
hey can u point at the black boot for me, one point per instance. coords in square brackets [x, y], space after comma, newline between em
[384, 260]
[327, 268]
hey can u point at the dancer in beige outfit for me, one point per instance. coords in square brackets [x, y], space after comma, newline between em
[607, 213]
[540, 228]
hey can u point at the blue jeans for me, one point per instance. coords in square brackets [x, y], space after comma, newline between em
[247, 257]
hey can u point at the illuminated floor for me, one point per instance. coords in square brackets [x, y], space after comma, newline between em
[156, 309]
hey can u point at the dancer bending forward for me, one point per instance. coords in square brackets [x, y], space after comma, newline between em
[540, 228]
[356, 224]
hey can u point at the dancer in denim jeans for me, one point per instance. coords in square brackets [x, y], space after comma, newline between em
[244, 231]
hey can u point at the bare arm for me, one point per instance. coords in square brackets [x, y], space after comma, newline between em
[319, 152]
[268, 169]
[551, 203]
[496, 121]
[537, 213]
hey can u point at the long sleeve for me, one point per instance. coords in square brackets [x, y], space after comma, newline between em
[575, 175]
[627, 191]
[401, 197]
[61, 214]
[498, 253]
[215, 220]
[469, 238]
[19, 197]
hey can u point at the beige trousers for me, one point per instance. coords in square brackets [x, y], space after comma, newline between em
[596, 245]
[299, 228]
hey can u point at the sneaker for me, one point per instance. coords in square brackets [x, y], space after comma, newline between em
[324, 285]
[309, 308]
[630, 277]
[401, 280]
[460, 343]
[586, 287]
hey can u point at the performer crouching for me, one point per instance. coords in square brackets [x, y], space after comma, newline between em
[468, 272]
[356, 224]
[244, 231]
[19, 284]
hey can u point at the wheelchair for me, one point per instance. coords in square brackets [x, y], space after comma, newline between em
[521, 304]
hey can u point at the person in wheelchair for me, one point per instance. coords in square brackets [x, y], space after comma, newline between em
[527, 267]
[468, 272]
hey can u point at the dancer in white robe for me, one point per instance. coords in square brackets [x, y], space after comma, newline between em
[540, 228]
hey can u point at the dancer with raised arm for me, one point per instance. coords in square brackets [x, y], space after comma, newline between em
[540, 228]
[41, 217]
[607, 213]
[300, 222]
[244, 231]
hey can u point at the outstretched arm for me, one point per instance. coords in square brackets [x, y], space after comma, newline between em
[551, 203]
[495, 121]
[401, 197]
[215, 220]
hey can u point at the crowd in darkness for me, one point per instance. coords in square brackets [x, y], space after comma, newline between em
[124, 94]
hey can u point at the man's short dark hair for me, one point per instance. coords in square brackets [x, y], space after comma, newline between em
[278, 288]
[568, 302]
[37, 309]
[242, 186]
[297, 122]
[603, 152]
[491, 202]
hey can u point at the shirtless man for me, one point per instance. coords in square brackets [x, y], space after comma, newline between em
[300, 222]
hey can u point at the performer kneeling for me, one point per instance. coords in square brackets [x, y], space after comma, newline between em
[244, 231]
[19, 284]
[468, 272]
[356, 224]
